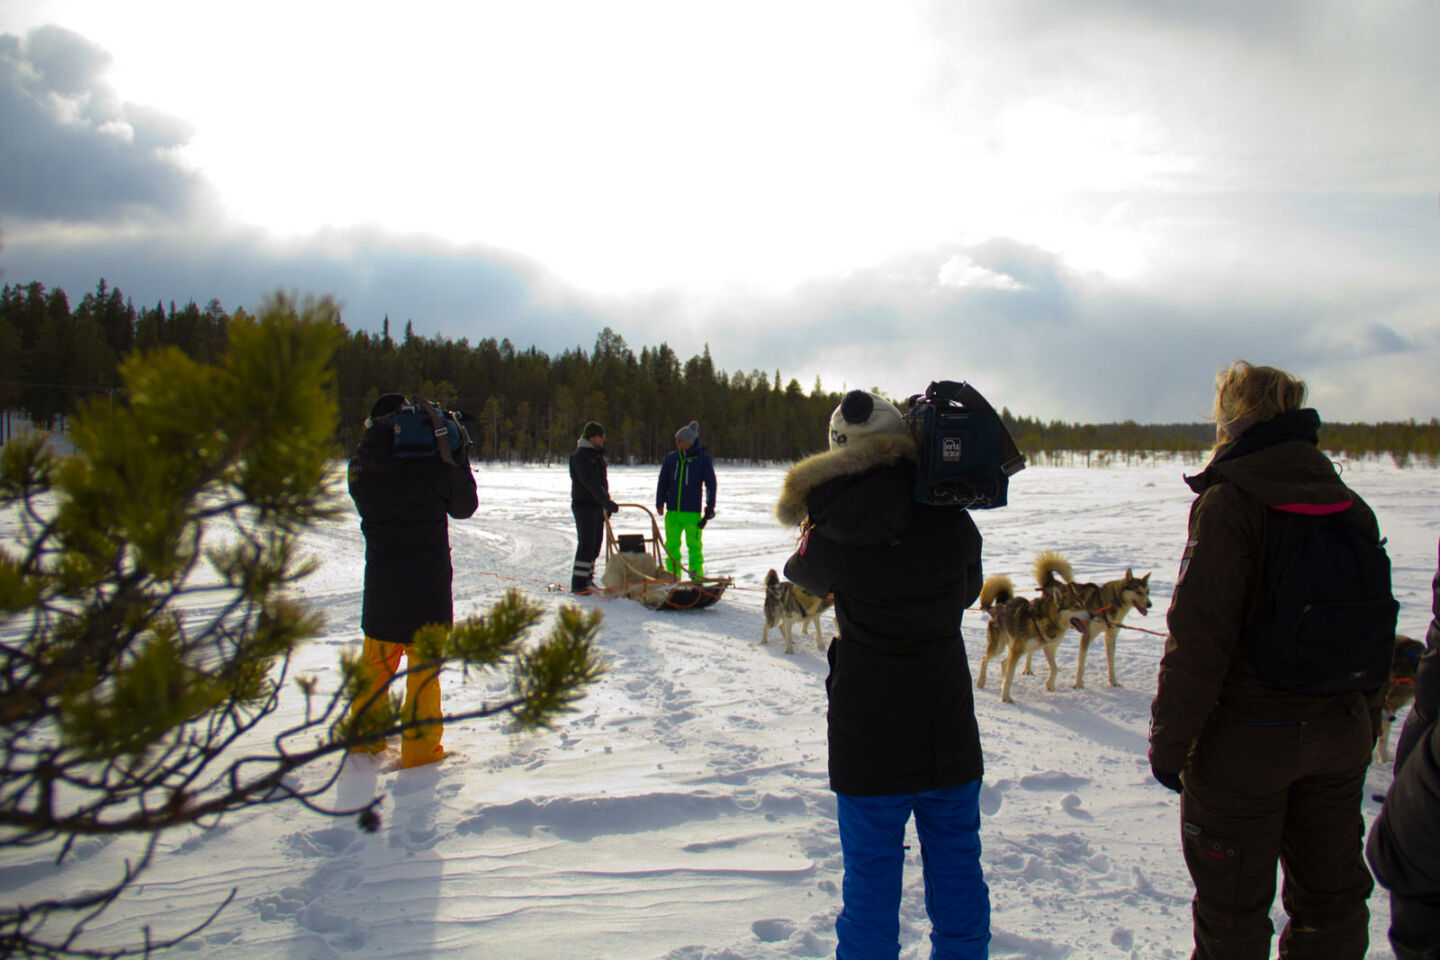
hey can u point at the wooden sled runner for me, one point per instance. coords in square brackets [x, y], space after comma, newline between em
[635, 568]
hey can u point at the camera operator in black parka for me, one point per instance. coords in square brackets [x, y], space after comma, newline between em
[404, 501]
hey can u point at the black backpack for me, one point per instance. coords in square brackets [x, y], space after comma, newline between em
[1326, 623]
[966, 455]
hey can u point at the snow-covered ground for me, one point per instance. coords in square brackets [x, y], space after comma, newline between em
[683, 812]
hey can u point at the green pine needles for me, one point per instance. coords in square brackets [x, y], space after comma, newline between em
[149, 612]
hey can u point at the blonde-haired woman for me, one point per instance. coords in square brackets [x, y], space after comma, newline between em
[1246, 395]
[1266, 772]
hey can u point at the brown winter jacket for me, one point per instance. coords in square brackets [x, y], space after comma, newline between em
[1205, 667]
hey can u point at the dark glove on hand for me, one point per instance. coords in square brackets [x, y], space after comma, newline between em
[709, 515]
[1168, 778]
[611, 507]
[660, 509]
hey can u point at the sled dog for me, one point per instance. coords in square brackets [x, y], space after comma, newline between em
[1019, 626]
[787, 603]
[1400, 692]
[1106, 605]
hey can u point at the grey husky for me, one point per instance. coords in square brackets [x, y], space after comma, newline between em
[1107, 603]
[786, 604]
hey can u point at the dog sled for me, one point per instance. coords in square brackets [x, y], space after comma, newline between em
[635, 568]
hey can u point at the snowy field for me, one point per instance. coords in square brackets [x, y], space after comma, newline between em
[683, 812]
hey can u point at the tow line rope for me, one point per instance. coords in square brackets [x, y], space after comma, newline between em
[554, 588]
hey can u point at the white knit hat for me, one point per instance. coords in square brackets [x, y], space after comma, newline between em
[863, 414]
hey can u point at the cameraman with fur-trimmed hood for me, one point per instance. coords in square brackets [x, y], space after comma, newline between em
[901, 720]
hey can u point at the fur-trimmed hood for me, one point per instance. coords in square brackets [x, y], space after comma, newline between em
[858, 457]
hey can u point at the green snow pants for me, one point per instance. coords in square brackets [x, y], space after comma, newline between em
[686, 523]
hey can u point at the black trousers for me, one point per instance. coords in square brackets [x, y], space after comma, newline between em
[1256, 795]
[590, 535]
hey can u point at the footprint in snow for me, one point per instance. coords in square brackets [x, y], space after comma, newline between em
[1071, 805]
[1053, 780]
[772, 931]
[992, 797]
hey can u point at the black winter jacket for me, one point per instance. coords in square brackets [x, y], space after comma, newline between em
[1404, 847]
[403, 505]
[901, 713]
[1426, 708]
[589, 482]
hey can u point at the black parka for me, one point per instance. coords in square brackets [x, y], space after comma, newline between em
[404, 504]
[589, 480]
[901, 715]
[1404, 847]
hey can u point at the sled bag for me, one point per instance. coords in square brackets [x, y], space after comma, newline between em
[966, 455]
[1326, 623]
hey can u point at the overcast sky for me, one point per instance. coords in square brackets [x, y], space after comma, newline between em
[1084, 209]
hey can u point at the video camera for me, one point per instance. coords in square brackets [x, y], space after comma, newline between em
[419, 425]
[966, 455]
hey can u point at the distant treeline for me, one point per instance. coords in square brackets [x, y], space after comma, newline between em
[530, 406]
[1404, 442]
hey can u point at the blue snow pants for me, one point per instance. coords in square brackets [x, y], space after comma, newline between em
[872, 841]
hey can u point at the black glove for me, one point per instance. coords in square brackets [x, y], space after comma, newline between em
[660, 509]
[610, 507]
[709, 515]
[1168, 778]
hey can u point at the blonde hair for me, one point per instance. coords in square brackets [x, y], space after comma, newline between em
[1246, 395]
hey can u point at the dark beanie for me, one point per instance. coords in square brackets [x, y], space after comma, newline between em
[592, 429]
[386, 405]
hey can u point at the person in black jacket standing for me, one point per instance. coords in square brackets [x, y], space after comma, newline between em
[403, 504]
[901, 719]
[1404, 847]
[590, 503]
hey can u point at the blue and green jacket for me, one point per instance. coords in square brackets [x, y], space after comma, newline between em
[681, 477]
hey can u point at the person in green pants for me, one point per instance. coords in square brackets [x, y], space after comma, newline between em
[683, 476]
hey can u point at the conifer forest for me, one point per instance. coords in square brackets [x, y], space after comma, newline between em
[526, 405]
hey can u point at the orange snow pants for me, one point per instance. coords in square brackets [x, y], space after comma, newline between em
[420, 745]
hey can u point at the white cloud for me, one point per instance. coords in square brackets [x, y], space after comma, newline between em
[1192, 183]
[963, 273]
[73, 151]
